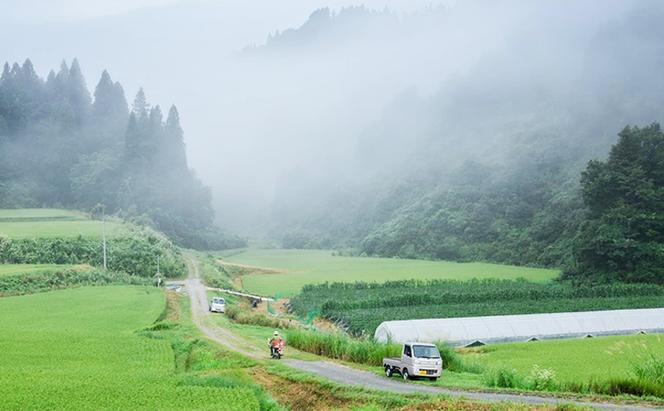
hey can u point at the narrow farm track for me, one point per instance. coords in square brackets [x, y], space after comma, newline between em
[199, 312]
[350, 376]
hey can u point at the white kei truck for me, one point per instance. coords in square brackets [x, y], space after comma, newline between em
[417, 360]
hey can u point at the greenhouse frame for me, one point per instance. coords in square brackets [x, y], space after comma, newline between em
[472, 331]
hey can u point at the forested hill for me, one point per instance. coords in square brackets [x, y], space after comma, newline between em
[488, 165]
[60, 146]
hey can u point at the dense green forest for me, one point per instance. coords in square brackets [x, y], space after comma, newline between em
[60, 146]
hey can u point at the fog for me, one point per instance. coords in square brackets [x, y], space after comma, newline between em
[276, 119]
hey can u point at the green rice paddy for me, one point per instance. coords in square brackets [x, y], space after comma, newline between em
[80, 349]
[53, 223]
[295, 268]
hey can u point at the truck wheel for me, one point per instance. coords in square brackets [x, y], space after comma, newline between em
[388, 371]
[405, 374]
[433, 378]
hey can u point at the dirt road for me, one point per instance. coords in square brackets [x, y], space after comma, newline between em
[350, 376]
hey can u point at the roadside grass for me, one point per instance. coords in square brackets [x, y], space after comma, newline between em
[12, 269]
[79, 349]
[319, 266]
[353, 398]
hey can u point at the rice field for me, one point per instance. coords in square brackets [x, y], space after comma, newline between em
[11, 269]
[54, 223]
[573, 360]
[80, 349]
[295, 268]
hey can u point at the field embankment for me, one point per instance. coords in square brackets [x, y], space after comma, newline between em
[301, 267]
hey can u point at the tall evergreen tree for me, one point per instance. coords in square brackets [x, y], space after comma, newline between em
[140, 107]
[78, 94]
[5, 72]
[109, 102]
[174, 148]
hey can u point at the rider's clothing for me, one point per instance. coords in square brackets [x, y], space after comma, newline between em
[276, 342]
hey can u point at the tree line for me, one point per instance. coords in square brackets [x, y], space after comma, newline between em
[61, 146]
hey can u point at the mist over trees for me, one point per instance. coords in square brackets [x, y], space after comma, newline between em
[488, 166]
[60, 146]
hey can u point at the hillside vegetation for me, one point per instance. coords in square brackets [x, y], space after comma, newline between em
[59, 146]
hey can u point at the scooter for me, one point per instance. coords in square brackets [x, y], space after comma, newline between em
[277, 352]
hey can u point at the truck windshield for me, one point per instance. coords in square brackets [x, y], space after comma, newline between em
[218, 301]
[425, 351]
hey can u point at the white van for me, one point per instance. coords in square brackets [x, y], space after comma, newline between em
[217, 305]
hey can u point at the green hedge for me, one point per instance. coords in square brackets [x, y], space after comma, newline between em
[135, 253]
[18, 284]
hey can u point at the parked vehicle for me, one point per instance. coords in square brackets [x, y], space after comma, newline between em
[417, 360]
[217, 305]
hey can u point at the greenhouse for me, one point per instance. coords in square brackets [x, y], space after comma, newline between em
[471, 331]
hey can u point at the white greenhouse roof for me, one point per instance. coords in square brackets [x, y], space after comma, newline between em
[466, 331]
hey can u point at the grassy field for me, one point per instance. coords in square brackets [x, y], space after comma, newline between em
[79, 349]
[52, 223]
[10, 269]
[573, 360]
[296, 268]
[38, 213]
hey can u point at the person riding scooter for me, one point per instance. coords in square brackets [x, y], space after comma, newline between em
[276, 344]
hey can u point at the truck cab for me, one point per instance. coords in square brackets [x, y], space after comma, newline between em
[418, 360]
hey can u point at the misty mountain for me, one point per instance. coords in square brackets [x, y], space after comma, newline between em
[485, 165]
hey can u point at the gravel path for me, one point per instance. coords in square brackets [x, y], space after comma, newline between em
[349, 376]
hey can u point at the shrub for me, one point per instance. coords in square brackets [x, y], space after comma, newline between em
[651, 370]
[242, 316]
[542, 379]
[503, 378]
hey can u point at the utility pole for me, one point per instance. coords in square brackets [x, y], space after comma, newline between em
[103, 225]
[158, 274]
